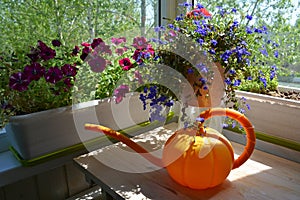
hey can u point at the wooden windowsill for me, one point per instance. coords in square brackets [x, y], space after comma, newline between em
[264, 176]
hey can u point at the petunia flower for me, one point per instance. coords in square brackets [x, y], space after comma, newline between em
[126, 64]
[119, 51]
[85, 44]
[19, 81]
[56, 43]
[97, 63]
[34, 71]
[75, 51]
[120, 92]
[96, 42]
[138, 77]
[53, 75]
[69, 70]
[46, 53]
[118, 41]
[140, 43]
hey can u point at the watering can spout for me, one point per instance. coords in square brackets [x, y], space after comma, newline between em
[122, 138]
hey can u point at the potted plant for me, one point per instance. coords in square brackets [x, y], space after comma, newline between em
[248, 56]
[200, 45]
[37, 86]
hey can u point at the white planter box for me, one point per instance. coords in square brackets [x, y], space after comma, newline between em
[40, 133]
[273, 115]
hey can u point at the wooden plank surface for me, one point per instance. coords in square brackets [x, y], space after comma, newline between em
[126, 175]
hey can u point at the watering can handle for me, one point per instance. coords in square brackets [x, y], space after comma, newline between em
[246, 124]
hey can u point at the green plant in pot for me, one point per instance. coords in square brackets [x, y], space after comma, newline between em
[199, 45]
[242, 51]
[39, 78]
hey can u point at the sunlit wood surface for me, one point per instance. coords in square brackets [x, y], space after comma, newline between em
[126, 175]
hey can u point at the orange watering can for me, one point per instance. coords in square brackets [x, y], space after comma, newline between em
[198, 158]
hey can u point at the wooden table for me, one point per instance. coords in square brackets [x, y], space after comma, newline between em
[123, 174]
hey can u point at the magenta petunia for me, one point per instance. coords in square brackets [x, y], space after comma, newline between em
[137, 56]
[19, 81]
[138, 77]
[118, 41]
[120, 51]
[103, 48]
[120, 92]
[34, 71]
[85, 44]
[96, 42]
[85, 52]
[97, 63]
[150, 49]
[140, 43]
[126, 64]
[53, 75]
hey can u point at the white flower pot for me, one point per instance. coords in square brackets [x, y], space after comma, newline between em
[274, 115]
[37, 134]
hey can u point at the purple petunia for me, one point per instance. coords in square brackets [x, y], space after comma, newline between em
[56, 43]
[19, 81]
[273, 72]
[69, 70]
[97, 63]
[190, 71]
[212, 51]
[85, 52]
[227, 81]
[200, 41]
[46, 53]
[53, 75]
[232, 71]
[237, 82]
[264, 52]
[68, 82]
[249, 30]
[263, 80]
[75, 51]
[34, 71]
[118, 41]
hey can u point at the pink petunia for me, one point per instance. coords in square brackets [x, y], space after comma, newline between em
[97, 63]
[85, 44]
[140, 43]
[126, 64]
[120, 92]
[118, 41]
